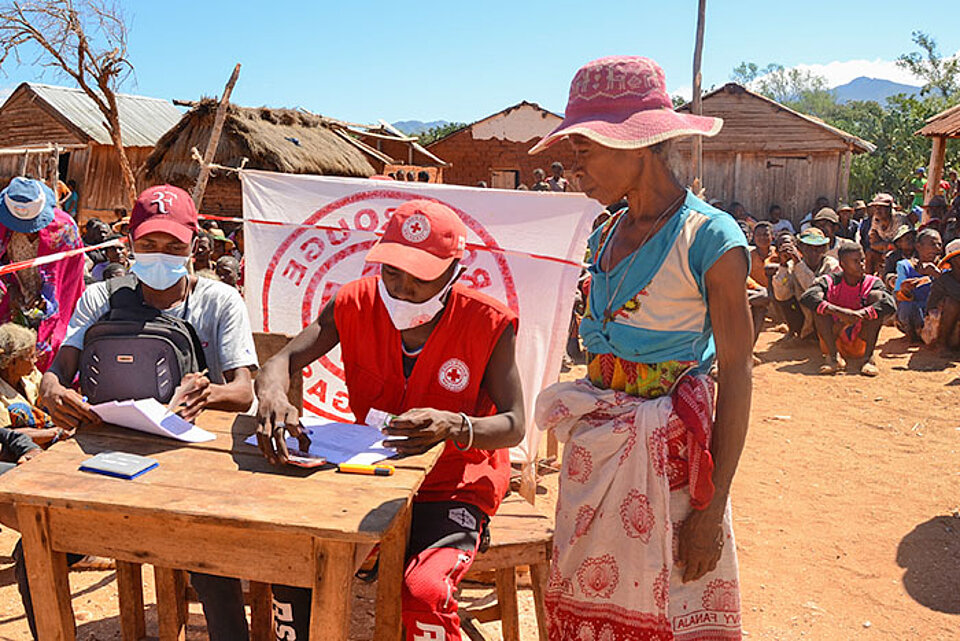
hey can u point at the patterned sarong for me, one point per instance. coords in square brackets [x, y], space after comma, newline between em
[612, 576]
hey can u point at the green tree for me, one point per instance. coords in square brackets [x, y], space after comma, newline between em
[83, 40]
[940, 75]
[803, 91]
[436, 133]
[890, 126]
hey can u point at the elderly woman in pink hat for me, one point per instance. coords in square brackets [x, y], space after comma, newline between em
[643, 547]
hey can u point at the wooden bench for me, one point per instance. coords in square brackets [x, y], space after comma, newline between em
[520, 536]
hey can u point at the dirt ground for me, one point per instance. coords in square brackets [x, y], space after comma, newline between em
[846, 508]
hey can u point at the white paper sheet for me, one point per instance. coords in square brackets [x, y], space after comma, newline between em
[150, 416]
[340, 442]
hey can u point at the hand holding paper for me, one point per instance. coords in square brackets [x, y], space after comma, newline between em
[191, 396]
[148, 415]
[337, 442]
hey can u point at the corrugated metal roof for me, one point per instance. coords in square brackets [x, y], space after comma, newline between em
[142, 120]
[945, 123]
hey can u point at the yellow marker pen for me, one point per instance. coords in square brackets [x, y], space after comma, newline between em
[371, 470]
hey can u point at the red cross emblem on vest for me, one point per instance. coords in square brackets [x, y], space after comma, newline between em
[454, 375]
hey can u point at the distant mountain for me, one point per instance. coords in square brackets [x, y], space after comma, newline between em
[417, 127]
[876, 89]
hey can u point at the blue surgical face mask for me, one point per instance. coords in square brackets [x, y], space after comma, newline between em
[159, 271]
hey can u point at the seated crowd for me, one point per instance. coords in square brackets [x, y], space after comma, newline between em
[851, 270]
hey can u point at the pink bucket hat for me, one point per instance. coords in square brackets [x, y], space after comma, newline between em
[622, 102]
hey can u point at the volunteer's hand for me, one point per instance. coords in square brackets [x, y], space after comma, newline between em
[68, 409]
[423, 428]
[700, 544]
[196, 397]
[275, 418]
[29, 455]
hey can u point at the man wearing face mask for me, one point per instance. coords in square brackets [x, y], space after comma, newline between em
[163, 233]
[441, 359]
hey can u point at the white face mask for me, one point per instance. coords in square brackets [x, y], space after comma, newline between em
[407, 315]
[159, 271]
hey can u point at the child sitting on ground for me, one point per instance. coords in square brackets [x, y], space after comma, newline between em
[19, 384]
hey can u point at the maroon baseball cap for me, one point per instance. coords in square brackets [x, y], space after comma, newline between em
[166, 209]
[422, 238]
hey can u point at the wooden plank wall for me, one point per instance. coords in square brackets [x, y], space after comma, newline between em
[752, 124]
[783, 159]
[792, 181]
[99, 180]
[24, 122]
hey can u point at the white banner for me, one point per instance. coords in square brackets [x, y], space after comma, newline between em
[308, 235]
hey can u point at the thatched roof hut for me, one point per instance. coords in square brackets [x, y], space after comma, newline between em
[282, 140]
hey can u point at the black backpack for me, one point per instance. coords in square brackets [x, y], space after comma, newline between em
[136, 351]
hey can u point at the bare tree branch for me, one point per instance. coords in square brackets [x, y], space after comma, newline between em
[85, 40]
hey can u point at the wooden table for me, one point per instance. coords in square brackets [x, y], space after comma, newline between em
[218, 508]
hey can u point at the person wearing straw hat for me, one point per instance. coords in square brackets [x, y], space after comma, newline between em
[904, 242]
[436, 361]
[943, 303]
[912, 286]
[884, 223]
[848, 226]
[646, 461]
[221, 244]
[39, 297]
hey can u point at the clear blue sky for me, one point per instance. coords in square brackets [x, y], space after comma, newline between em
[461, 61]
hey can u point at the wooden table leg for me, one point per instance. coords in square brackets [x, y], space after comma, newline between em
[393, 556]
[171, 603]
[538, 578]
[130, 593]
[507, 599]
[261, 612]
[47, 574]
[332, 593]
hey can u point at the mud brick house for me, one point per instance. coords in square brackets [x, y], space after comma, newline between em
[495, 148]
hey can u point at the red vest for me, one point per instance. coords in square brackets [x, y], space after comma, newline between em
[447, 376]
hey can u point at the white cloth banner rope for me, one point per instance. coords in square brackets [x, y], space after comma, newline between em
[292, 271]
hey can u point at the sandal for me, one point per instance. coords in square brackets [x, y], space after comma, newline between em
[830, 366]
[870, 368]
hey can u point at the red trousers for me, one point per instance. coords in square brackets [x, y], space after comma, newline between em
[444, 538]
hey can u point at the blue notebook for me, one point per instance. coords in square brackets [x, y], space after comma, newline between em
[119, 464]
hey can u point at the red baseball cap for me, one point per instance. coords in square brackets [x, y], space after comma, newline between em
[167, 209]
[422, 238]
